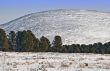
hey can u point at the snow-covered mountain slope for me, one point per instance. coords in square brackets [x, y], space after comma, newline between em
[74, 26]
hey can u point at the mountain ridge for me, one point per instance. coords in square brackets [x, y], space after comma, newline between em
[74, 26]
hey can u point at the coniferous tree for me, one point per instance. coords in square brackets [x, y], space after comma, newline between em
[57, 45]
[84, 48]
[19, 41]
[32, 41]
[57, 42]
[26, 41]
[44, 44]
[12, 40]
[4, 45]
[107, 47]
[74, 48]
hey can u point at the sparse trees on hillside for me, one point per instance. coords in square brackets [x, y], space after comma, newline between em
[25, 41]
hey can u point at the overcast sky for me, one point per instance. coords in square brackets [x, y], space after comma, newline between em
[11, 9]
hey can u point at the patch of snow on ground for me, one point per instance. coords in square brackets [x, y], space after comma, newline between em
[14, 61]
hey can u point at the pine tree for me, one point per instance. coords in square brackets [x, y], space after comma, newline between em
[12, 40]
[32, 41]
[44, 44]
[26, 41]
[4, 45]
[57, 42]
[57, 45]
[18, 41]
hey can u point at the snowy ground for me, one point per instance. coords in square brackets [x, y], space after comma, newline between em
[53, 62]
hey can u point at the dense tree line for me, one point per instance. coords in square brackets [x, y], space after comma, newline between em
[25, 41]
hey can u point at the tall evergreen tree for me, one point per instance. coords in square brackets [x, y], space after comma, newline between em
[4, 45]
[19, 41]
[57, 45]
[26, 41]
[44, 44]
[12, 40]
[32, 41]
[57, 42]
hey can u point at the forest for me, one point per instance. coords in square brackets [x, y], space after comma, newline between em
[26, 41]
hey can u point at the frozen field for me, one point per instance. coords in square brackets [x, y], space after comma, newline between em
[11, 61]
